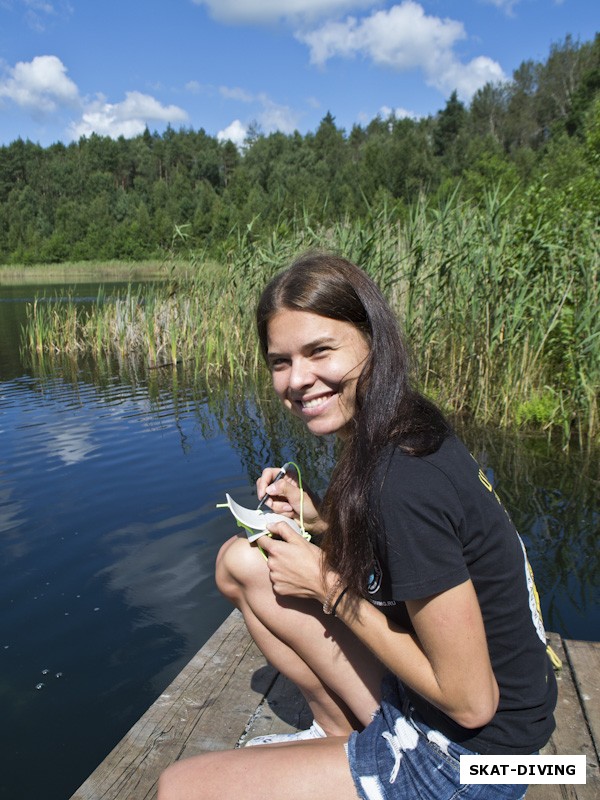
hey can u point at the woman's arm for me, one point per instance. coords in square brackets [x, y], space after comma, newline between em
[445, 660]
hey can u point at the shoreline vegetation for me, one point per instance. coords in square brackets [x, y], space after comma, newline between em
[81, 271]
[501, 308]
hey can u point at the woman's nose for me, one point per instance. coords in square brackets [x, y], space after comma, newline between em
[300, 374]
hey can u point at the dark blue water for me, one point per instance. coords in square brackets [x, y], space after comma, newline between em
[109, 478]
[109, 534]
[109, 531]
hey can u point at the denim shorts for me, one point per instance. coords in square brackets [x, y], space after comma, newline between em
[399, 757]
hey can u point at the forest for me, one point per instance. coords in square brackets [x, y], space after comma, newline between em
[537, 136]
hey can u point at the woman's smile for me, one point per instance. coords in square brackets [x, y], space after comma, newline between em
[315, 363]
[315, 402]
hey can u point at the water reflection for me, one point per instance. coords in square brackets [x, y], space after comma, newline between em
[551, 495]
[12, 517]
[554, 500]
[159, 566]
[108, 538]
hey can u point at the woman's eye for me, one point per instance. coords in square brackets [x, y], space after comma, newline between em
[318, 351]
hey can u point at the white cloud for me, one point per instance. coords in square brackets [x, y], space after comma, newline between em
[41, 85]
[270, 116]
[236, 133]
[235, 93]
[504, 5]
[40, 5]
[264, 11]
[404, 38]
[128, 118]
[275, 117]
[398, 113]
[468, 78]
[39, 12]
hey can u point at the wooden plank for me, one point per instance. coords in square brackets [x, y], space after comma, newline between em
[584, 658]
[207, 707]
[562, 713]
[571, 737]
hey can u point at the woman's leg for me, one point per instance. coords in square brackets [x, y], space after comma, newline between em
[338, 676]
[315, 769]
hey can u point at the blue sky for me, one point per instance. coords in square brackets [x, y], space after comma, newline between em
[73, 67]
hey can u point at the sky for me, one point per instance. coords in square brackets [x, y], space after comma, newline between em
[71, 68]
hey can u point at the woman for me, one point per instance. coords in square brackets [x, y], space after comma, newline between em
[412, 628]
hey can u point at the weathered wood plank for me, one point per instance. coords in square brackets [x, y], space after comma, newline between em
[584, 658]
[207, 707]
[571, 737]
[565, 681]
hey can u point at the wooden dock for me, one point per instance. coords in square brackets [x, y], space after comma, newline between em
[228, 694]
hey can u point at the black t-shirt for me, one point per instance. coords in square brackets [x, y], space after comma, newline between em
[441, 523]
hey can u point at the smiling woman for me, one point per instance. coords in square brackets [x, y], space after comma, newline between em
[396, 623]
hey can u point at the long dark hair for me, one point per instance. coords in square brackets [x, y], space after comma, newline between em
[387, 409]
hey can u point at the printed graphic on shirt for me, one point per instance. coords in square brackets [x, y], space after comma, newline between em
[534, 598]
[374, 583]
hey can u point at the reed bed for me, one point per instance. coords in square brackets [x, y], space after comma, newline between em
[502, 314]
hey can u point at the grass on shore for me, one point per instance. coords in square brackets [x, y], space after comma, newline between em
[75, 272]
[502, 316]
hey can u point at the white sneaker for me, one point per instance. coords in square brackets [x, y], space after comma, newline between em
[314, 732]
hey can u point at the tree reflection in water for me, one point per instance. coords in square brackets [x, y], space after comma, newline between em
[552, 495]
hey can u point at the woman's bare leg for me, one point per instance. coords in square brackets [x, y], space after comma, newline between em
[337, 675]
[315, 769]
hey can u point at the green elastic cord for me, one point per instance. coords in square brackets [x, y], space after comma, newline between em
[297, 468]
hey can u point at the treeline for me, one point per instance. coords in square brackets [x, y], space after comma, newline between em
[103, 199]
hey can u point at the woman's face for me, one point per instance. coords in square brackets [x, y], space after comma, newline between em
[315, 363]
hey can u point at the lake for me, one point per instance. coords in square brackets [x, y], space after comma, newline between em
[109, 479]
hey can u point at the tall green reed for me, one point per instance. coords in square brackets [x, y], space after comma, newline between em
[501, 313]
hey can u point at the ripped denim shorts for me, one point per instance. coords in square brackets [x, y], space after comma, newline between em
[399, 757]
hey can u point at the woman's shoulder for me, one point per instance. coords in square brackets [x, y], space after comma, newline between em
[419, 475]
[451, 451]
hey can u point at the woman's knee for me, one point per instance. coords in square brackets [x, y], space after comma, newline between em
[181, 780]
[238, 565]
[167, 783]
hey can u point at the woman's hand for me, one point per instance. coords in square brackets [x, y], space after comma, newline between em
[295, 565]
[284, 498]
